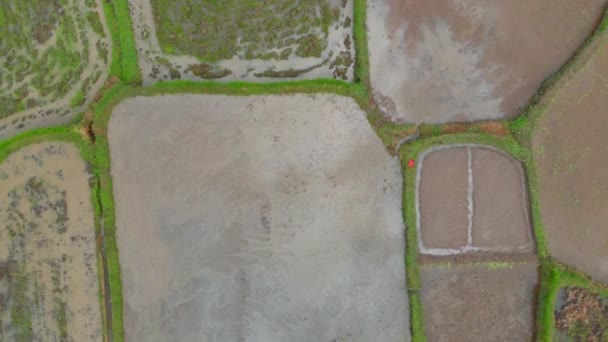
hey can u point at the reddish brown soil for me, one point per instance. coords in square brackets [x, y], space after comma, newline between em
[571, 154]
[473, 303]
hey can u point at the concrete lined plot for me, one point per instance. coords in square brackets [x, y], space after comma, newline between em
[462, 60]
[571, 157]
[49, 287]
[474, 303]
[471, 199]
[266, 218]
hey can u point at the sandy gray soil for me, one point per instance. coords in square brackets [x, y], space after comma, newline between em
[464, 60]
[49, 287]
[157, 65]
[571, 157]
[472, 198]
[266, 218]
[474, 303]
[93, 53]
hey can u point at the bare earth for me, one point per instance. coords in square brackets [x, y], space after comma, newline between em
[473, 303]
[48, 264]
[266, 218]
[463, 60]
[572, 158]
[472, 199]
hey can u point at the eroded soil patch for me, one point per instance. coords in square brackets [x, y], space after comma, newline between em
[463, 60]
[261, 218]
[54, 56]
[244, 40]
[48, 267]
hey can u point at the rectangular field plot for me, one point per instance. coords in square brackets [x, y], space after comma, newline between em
[244, 40]
[478, 303]
[267, 218]
[53, 58]
[49, 287]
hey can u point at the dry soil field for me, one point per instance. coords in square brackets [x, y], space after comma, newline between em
[48, 268]
[244, 40]
[571, 157]
[54, 56]
[463, 60]
[268, 218]
[476, 303]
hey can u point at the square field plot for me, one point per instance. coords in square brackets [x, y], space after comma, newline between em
[53, 59]
[267, 218]
[478, 304]
[472, 199]
[244, 40]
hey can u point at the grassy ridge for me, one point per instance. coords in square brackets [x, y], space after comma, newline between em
[124, 64]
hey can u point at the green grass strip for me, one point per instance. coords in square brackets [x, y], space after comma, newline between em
[360, 39]
[125, 64]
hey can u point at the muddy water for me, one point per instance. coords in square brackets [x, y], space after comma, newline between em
[465, 60]
[49, 287]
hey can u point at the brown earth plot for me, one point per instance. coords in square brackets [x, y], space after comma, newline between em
[572, 158]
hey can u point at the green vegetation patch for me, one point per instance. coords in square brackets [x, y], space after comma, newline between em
[213, 30]
[583, 315]
[45, 53]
